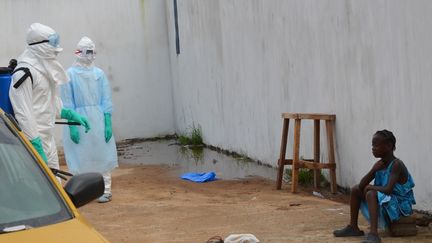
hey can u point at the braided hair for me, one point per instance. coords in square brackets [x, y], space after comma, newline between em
[388, 137]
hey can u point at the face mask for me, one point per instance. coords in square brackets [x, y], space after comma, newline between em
[90, 55]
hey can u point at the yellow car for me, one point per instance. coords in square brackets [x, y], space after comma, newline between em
[33, 205]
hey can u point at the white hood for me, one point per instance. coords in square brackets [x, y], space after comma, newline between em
[43, 56]
[82, 58]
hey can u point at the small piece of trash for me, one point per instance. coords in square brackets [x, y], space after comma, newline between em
[294, 204]
[317, 194]
[241, 238]
[341, 213]
[254, 198]
[334, 209]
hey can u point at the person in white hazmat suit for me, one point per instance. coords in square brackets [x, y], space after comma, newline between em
[35, 102]
[89, 94]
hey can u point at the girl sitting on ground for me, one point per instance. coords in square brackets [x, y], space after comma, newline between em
[391, 196]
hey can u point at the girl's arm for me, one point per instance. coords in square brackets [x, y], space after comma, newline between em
[369, 176]
[394, 178]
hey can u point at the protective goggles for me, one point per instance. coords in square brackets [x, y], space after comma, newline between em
[53, 40]
[85, 52]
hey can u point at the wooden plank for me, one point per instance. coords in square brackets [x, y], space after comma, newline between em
[411, 219]
[314, 165]
[403, 229]
[282, 153]
[309, 164]
[331, 155]
[296, 155]
[317, 173]
[286, 162]
[310, 116]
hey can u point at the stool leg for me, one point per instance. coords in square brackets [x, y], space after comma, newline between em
[295, 166]
[281, 161]
[317, 172]
[330, 149]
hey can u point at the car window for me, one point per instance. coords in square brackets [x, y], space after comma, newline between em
[27, 197]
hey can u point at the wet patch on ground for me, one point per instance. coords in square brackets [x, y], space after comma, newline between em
[192, 159]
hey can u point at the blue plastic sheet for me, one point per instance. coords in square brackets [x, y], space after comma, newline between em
[199, 177]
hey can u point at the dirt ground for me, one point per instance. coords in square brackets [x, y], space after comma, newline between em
[151, 204]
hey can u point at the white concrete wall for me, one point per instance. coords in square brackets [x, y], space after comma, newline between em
[244, 62]
[132, 45]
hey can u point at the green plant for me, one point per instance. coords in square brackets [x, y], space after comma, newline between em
[305, 177]
[194, 153]
[197, 154]
[184, 140]
[196, 136]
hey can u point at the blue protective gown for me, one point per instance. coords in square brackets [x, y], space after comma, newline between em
[89, 94]
[398, 203]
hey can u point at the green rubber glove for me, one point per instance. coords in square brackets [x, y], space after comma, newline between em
[37, 144]
[74, 134]
[75, 117]
[108, 127]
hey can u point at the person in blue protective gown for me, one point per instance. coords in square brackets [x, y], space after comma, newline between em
[388, 199]
[88, 93]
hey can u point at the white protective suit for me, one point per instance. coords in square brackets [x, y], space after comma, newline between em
[36, 105]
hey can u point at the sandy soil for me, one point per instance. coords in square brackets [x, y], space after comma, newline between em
[150, 204]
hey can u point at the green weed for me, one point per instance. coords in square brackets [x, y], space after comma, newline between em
[184, 140]
[192, 137]
[305, 177]
[196, 136]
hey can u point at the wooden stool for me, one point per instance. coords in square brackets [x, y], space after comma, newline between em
[314, 163]
[406, 226]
